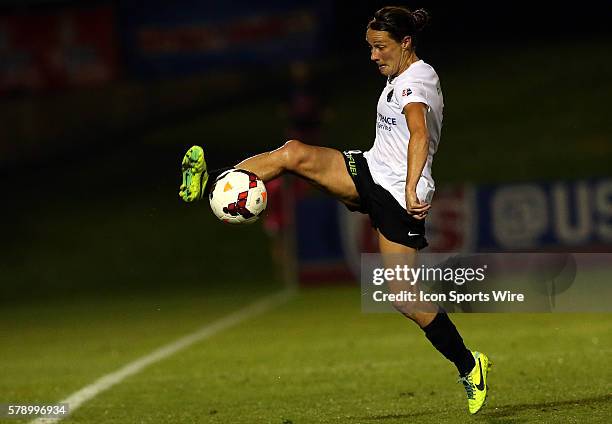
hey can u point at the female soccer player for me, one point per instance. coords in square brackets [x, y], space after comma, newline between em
[391, 182]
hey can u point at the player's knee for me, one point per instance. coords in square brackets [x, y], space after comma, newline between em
[295, 155]
[408, 309]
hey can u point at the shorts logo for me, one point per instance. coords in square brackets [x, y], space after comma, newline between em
[406, 92]
[351, 163]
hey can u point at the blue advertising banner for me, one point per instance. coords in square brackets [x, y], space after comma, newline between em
[187, 36]
[562, 215]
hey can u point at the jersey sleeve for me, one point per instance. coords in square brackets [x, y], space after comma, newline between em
[411, 92]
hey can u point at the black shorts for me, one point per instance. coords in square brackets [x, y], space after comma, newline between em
[386, 214]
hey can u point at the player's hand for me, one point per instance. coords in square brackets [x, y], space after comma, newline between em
[415, 207]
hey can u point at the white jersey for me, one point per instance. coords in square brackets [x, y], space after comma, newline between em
[388, 158]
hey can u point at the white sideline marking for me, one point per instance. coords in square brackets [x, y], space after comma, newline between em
[81, 396]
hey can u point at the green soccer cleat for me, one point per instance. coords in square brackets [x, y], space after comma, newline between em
[475, 382]
[194, 173]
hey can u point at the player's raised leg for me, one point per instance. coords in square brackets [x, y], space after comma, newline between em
[438, 328]
[321, 166]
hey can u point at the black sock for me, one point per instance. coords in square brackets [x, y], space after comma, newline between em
[444, 336]
[212, 176]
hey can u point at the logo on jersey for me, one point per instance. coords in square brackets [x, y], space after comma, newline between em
[406, 92]
[385, 122]
[389, 95]
[386, 119]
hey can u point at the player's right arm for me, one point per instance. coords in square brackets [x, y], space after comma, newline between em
[418, 149]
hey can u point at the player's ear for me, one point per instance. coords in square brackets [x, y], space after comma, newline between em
[406, 42]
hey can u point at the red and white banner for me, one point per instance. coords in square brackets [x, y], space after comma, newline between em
[70, 47]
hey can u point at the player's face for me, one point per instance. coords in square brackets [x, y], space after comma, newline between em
[385, 51]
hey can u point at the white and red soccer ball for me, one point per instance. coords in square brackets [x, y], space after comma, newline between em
[238, 197]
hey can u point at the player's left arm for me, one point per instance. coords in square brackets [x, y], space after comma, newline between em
[418, 149]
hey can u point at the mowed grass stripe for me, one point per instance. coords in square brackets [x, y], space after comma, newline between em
[104, 383]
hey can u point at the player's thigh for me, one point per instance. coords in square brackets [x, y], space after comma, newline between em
[396, 251]
[395, 254]
[326, 168]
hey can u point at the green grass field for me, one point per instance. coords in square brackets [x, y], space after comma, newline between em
[313, 359]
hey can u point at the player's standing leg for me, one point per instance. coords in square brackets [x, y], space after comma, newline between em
[439, 329]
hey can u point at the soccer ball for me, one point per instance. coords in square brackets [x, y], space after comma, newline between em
[238, 197]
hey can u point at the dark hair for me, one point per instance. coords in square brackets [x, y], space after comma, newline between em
[400, 22]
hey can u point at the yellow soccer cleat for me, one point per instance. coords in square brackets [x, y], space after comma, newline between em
[475, 382]
[195, 175]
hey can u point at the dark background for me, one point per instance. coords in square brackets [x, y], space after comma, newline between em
[90, 171]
